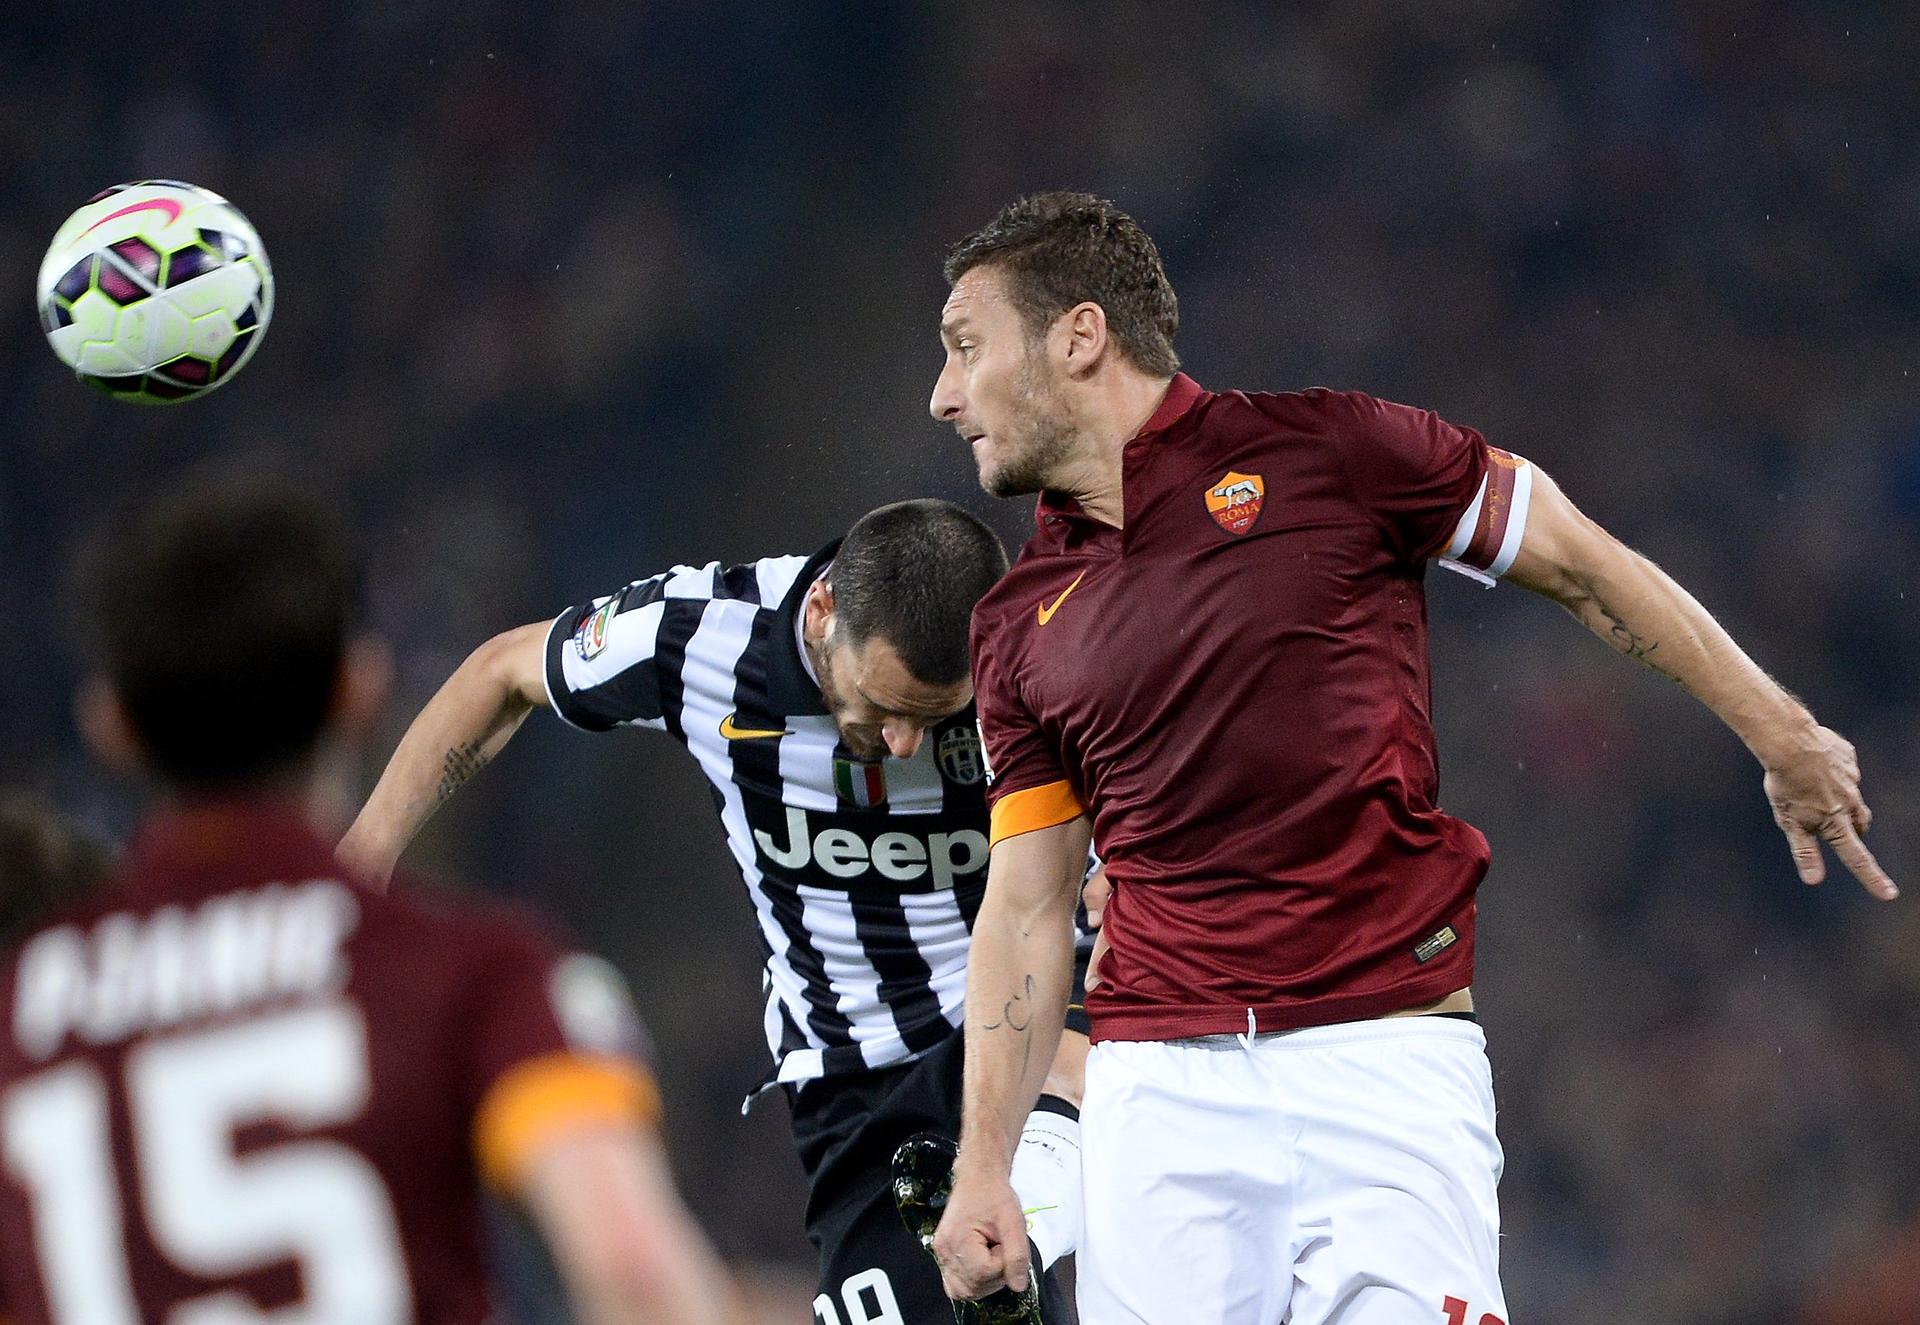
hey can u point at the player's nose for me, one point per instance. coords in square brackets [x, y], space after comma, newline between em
[902, 737]
[947, 395]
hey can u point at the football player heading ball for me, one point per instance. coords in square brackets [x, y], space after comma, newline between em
[1212, 655]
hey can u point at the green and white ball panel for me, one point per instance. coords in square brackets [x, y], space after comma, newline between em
[156, 291]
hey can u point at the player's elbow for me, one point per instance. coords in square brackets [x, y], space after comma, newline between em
[623, 1240]
[513, 662]
[634, 1269]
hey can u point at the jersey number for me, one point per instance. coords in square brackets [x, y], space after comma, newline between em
[211, 1212]
[869, 1298]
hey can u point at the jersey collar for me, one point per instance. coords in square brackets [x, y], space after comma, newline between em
[1056, 513]
[790, 689]
[204, 834]
[1182, 394]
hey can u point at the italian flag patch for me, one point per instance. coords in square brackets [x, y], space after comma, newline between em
[859, 784]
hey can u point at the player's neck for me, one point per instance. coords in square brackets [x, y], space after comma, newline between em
[1114, 412]
[317, 790]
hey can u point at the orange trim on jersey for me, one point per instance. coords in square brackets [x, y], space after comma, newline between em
[544, 1097]
[1031, 810]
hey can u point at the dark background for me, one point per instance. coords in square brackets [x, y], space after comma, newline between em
[567, 294]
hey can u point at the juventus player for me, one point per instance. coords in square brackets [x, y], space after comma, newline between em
[828, 702]
[237, 1086]
[1212, 655]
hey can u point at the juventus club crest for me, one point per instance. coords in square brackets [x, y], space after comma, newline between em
[960, 758]
[1235, 501]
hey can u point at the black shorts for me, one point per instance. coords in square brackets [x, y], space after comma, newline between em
[846, 1130]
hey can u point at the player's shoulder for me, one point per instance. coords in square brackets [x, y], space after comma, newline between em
[773, 578]
[445, 953]
[1326, 430]
[427, 905]
[750, 585]
[1307, 409]
[1037, 561]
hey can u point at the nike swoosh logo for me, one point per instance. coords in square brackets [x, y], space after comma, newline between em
[733, 733]
[167, 205]
[1046, 612]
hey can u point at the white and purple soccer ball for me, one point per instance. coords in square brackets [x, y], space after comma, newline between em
[156, 291]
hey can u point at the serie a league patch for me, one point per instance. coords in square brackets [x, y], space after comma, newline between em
[591, 638]
[1429, 948]
[1235, 500]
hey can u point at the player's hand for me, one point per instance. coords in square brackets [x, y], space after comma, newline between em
[981, 1243]
[1095, 893]
[1815, 794]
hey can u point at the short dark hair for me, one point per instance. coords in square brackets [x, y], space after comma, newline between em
[1060, 249]
[46, 863]
[910, 574]
[220, 618]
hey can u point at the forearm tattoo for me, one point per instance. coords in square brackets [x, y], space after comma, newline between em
[1630, 642]
[458, 766]
[1017, 1016]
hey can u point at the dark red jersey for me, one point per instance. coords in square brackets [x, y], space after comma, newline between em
[235, 1084]
[1235, 687]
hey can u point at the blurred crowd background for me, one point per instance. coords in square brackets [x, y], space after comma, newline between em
[571, 292]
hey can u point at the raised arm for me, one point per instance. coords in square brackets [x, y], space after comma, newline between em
[1019, 973]
[459, 731]
[1812, 776]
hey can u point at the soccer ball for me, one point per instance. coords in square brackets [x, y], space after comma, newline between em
[156, 291]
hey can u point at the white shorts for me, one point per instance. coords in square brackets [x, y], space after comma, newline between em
[1339, 1175]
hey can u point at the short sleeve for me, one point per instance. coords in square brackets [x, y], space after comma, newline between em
[603, 657]
[1414, 472]
[1027, 789]
[553, 1043]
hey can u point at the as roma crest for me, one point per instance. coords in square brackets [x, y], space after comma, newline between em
[1235, 501]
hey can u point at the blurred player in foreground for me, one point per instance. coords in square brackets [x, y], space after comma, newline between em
[235, 1086]
[1212, 654]
[828, 702]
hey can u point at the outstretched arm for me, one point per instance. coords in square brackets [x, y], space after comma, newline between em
[459, 731]
[1019, 973]
[1812, 776]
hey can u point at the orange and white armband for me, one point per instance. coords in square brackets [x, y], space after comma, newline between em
[1488, 537]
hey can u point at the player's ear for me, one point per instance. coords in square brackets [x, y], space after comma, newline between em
[817, 616]
[366, 682]
[105, 727]
[1081, 336]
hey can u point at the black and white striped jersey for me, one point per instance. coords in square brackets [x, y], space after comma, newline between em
[865, 877]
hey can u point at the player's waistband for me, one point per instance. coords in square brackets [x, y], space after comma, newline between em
[1427, 1025]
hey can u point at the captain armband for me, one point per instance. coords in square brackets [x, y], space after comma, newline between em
[548, 1096]
[1033, 810]
[1488, 537]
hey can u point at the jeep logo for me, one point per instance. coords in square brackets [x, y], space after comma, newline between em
[900, 857]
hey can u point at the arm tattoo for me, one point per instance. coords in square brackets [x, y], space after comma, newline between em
[1624, 638]
[459, 765]
[1018, 1020]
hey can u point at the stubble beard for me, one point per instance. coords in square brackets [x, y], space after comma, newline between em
[1042, 440]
